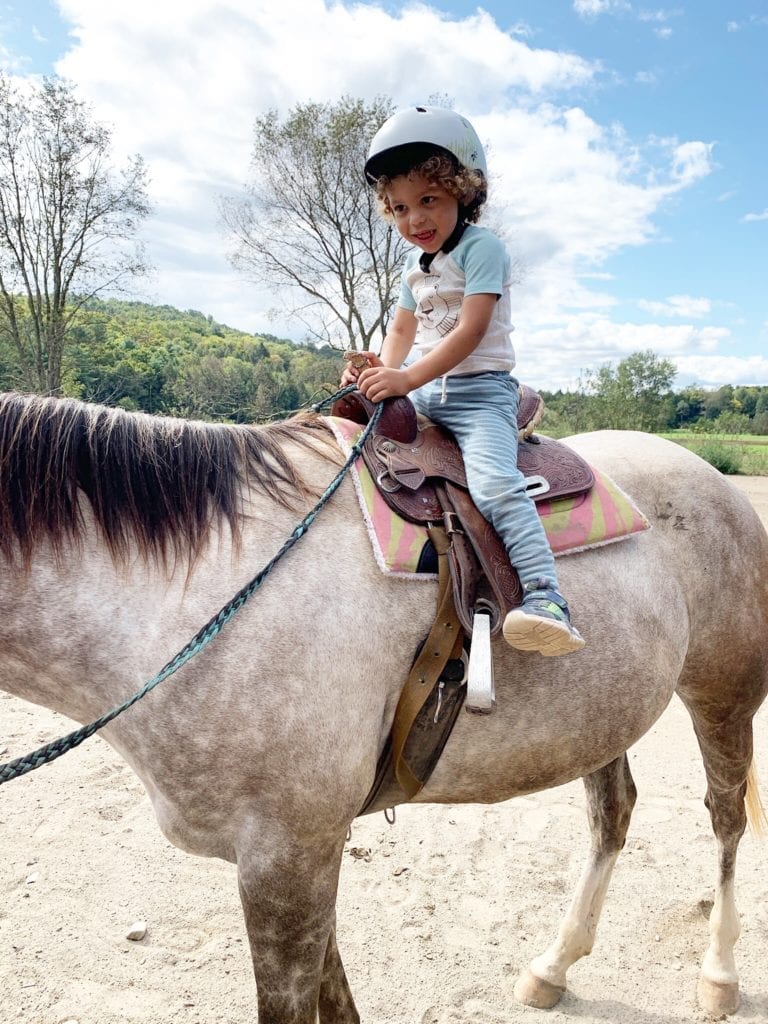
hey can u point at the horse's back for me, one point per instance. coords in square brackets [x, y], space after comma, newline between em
[676, 489]
[660, 473]
[703, 527]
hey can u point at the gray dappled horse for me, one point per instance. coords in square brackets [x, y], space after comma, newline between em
[264, 749]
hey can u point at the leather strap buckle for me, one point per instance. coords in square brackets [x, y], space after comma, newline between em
[452, 523]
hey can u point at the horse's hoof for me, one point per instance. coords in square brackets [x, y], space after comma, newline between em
[533, 991]
[718, 998]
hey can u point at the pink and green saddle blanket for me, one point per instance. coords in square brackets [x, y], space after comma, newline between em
[602, 515]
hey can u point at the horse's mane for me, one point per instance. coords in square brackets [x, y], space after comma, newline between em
[154, 482]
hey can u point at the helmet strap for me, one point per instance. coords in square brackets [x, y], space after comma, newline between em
[425, 260]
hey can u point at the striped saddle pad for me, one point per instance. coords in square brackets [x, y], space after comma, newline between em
[602, 515]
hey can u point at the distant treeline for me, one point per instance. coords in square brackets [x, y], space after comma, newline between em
[162, 360]
[726, 410]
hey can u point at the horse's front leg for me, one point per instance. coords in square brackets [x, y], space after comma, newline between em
[610, 798]
[336, 1003]
[288, 892]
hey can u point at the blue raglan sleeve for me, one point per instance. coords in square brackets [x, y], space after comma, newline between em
[406, 299]
[485, 263]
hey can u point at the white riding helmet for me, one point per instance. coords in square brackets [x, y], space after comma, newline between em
[424, 126]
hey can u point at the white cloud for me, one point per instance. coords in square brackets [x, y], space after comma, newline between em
[691, 161]
[658, 15]
[659, 18]
[10, 62]
[714, 371]
[592, 8]
[556, 356]
[571, 192]
[755, 216]
[678, 305]
[208, 70]
[574, 195]
[753, 19]
[521, 29]
[646, 77]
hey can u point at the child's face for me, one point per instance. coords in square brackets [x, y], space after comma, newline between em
[425, 214]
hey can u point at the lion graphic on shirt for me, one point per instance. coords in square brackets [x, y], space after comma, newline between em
[437, 313]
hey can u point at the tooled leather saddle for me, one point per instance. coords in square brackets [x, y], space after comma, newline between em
[419, 471]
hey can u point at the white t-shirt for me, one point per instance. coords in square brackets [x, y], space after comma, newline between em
[478, 265]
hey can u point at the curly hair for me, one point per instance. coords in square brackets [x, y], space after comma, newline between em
[469, 188]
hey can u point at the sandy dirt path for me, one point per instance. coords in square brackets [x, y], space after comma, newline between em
[437, 914]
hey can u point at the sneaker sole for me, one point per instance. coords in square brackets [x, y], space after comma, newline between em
[547, 637]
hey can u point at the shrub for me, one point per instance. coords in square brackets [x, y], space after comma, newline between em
[720, 456]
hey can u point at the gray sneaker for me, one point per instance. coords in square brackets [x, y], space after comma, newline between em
[542, 623]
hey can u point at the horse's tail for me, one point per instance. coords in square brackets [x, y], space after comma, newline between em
[756, 816]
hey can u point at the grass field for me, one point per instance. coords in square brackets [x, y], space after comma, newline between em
[746, 454]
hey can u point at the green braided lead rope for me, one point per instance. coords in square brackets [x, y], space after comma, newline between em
[22, 765]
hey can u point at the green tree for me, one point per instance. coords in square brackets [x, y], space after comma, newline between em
[565, 412]
[309, 226]
[689, 405]
[718, 401]
[732, 422]
[745, 400]
[68, 222]
[632, 396]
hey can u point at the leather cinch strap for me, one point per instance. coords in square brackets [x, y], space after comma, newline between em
[443, 643]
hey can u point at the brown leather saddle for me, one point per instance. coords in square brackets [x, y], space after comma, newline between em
[419, 471]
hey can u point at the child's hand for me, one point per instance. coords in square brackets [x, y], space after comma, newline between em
[356, 363]
[380, 382]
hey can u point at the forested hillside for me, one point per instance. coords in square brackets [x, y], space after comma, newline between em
[162, 360]
[183, 363]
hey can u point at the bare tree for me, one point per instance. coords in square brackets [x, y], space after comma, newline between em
[68, 221]
[309, 227]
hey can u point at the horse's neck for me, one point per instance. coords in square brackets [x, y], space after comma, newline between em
[78, 631]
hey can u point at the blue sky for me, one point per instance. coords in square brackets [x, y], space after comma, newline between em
[627, 143]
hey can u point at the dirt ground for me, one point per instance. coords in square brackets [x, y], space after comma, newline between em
[756, 489]
[437, 913]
